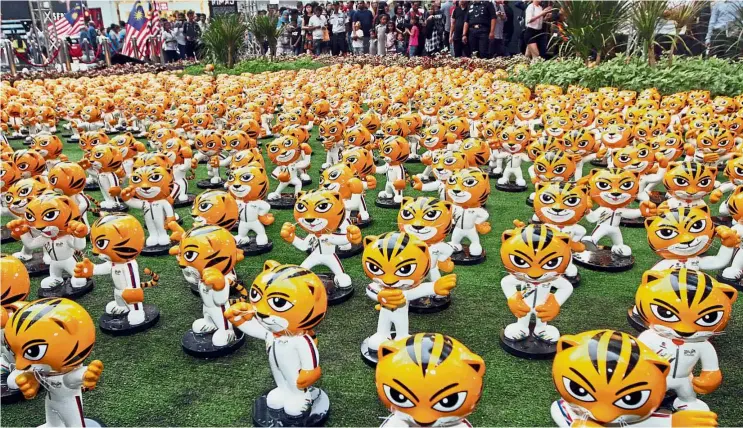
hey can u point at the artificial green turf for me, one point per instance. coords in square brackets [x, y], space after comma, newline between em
[149, 381]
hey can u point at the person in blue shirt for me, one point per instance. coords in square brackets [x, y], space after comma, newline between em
[92, 35]
[720, 41]
[365, 17]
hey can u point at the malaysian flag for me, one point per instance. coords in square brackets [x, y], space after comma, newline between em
[137, 27]
[69, 24]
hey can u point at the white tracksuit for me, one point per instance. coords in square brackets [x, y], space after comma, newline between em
[125, 276]
[180, 184]
[107, 180]
[323, 253]
[294, 170]
[214, 303]
[607, 224]
[535, 294]
[435, 186]
[512, 168]
[154, 213]
[464, 220]
[440, 252]
[706, 263]
[565, 415]
[211, 171]
[736, 268]
[60, 252]
[392, 173]
[248, 213]
[83, 204]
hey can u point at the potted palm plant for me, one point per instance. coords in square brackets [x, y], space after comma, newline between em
[224, 38]
[266, 31]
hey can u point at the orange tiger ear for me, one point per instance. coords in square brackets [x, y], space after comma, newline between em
[651, 275]
[270, 264]
[566, 342]
[730, 292]
[507, 234]
[369, 239]
[387, 348]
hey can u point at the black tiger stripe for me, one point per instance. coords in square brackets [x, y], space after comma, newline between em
[77, 359]
[427, 342]
[692, 281]
[675, 282]
[312, 322]
[47, 305]
[593, 349]
[78, 184]
[72, 352]
[410, 348]
[634, 356]
[613, 353]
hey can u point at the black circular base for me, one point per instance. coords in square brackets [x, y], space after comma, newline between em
[530, 348]
[253, 249]
[285, 202]
[355, 250]
[118, 325]
[336, 295]
[388, 203]
[316, 416]
[633, 222]
[188, 203]
[66, 290]
[5, 236]
[207, 184]
[36, 266]
[66, 135]
[413, 160]
[118, 208]
[430, 305]
[370, 357]
[10, 396]
[92, 187]
[574, 280]
[510, 187]
[491, 174]
[722, 220]
[634, 320]
[657, 197]
[464, 258]
[737, 283]
[602, 163]
[306, 183]
[156, 250]
[16, 137]
[429, 179]
[603, 260]
[529, 201]
[73, 140]
[360, 223]
[200, 345]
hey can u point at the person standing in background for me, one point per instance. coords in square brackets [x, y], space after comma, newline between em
[718, 41]
[180, 36]
[295, 35]
[337, 21]
[382, 36]
[447, 8]
[479, 27]
[365, 17]
[192, 31]
[350, 11]
[435, 29]
[316, 24]
[534, 22]
[357, 39]
[458, 18]
[497, 44]
[413, 36]
[169, 43]
[391, 37]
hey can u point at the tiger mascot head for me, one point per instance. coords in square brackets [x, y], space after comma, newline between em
[371, 121]
[429, 219]
[647, 130]
[561, 204]
[9, 174]
[127, 145]
[331, 130]
[638, 158]
[215, 207]
[476, 109]
[153, 159]
[395, 126]
[152, 183]
[690, 180]
[543, 144]
[477, 151]
[514, 139]
[288, 299]
[468, 188]
[248, 183]
[246, 157]
[90, 114]
[735, 204]
[397, 109]
[680, 233]
[609, 376]
[459, 127]
[67, 177]
[208, 143]
[250, 127]
[396, 260]
[429, 379]
[177, 151]
[216, 108]
[360, 160]
[341, 178]
[319, 109]
[319, 211]
[554, 166]
[444, 163]
[50, 213]
[535, 253]
[715, 140]
[47, 145]
[236, 140]
[395, 150]
[117, 238]
[206, 247]
[558, 124]
[23, 191]
[358, 136]
[669, 144]
[528, 110]
[202, 121]
[15, 284]
[606, 119]
[105, 158]
[684, 304]
[430, 106]
[612, 188]
[297, 132]
[616, 136]
[30, 163]
[582, 116]
[580, 142]
[285, 150]
[158, 137]
[436, 137]
[50, 336]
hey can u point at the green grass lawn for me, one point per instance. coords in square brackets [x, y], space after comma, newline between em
[149, 381]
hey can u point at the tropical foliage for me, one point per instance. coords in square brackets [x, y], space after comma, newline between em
[590, 26]
[265, 29]
[224, 38]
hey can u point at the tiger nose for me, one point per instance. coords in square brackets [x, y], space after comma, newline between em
[145, 188]
[310, 220]
[417, 228]
[558, 210]
[616, 194]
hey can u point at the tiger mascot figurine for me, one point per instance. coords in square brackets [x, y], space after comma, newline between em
[582, 143]
[683, 309]
[612, 190]
[216, 208]
[50, 339]
[687, 183]
[670, 147]
[417, 365]
[180, 155]
[342, 178]
[443, 164]
[512, 145]
[468, 189]
[15, 286]
[208, 254]
[69, 179]
[106, 161]
[395, 151]
[57, 228]
[233, 142]
[208, 144]
[610, 378]
[290, 302]
[149, 191]
[434, 137]
[551, 167]
[397, 263]
[248, 185]
[50, 148]
[30, 163]
[290, 156]
[734, 173]
[732, 274]
[129, 148]
[118, 239]
[361, 161]
[331, 135]
[320, 213]
[536, 258]
[715, 146]
[15, 200]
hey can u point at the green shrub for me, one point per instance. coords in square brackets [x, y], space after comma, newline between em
[258, 65]
[719, 76]
[224, 38]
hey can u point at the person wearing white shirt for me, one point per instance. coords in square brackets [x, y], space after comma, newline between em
[534, 21]
[316, 24]
[170, 45]
[338, 20]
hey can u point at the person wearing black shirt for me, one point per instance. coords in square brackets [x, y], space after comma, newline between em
[457, 26]
[479, 27]
[192, 31]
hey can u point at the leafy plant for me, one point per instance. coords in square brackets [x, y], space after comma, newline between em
[224, 38]
[590, 26]
[646, 17]
[683, 15]
[264, 29]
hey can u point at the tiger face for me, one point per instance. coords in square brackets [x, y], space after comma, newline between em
[288, 299]
[90, 139]
[68, 177]
[297, 132]
[395, 150]
[30, 163]
[561, 204]
[9, 174]
[580, 142]
[554, 166]
[153, 159]
[360, 160]
[47, 145]
[435, 137]
[616, 136]
[680, 233]
[429, 219]
[582, 116]
[117, 237]
[177, 151]
[557, 125]
[514, 139]
[670, 145]
[609, 376]
[357, 135]
[236, 140]
[430, 106]
[689, 180]
[605, 119]
[319, 109]
[206, 247]
[715, 140]
[544, 144]
[477, 151]
[634, 115]
[284, 151]
[411, 368]
[209, 143]
[319, 211]
[341, 178]
[50, 213]
[613, 188]
[248, 183]
[202, 121]
[734, 169]
[215, 207]
[647, 130]
[22, 192]
[105, 158]
[535, 253]
[396, 260]
[152, 183]
[53, 335]
[459, 127]
[331, 130]
[723, 105]
[735, 204]
[684, 304]
[15, 284]
[468, 188]
[90, 114]
[445, 162]
[527, 110]
[639, 158]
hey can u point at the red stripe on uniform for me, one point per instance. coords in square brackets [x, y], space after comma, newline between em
[80, 410]
[312, 351]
